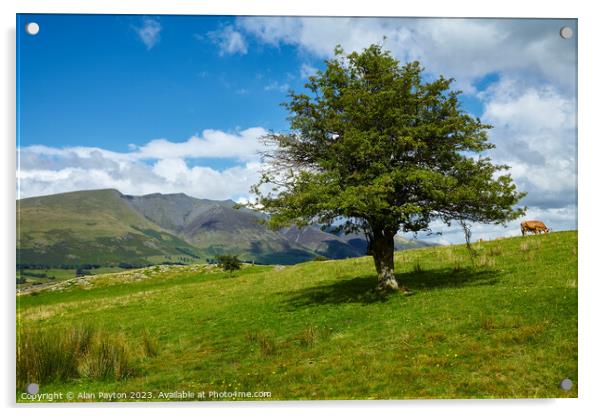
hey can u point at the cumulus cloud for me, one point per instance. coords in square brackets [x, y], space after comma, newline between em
[158, 166]
[149, 32]
[466, 49]
[243, 145]
[137, 178]
[229, 41]
[535, 132]
[212, 143]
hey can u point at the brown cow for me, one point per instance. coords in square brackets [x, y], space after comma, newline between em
[534, 227]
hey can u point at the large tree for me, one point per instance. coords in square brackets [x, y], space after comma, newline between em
[375, 148]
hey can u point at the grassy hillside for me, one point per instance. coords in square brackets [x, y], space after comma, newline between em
[216, 227]
[91, 227]
[105, 227]
[504, 325]
[225, 230]
[173, 212]
[324, 244]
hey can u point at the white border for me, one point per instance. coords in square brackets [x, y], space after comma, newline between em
[590, 287]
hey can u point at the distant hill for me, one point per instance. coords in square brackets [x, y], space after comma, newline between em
[106, 227]
[323, 243]
[92, 227]
[216, 227]
[359, 242]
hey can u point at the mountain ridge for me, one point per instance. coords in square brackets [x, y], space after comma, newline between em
[106, 226]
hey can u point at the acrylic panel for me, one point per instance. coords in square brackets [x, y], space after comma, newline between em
[295, 208]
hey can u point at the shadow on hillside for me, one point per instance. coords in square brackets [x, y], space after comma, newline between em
[362, 289]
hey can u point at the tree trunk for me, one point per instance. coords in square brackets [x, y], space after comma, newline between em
[382, 248]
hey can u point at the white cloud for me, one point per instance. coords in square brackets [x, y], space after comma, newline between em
[158, 166]
[535, 133]
[243, 146]
[212, 143]
[466, 49]
[557, 219]
[276, 86]
[149, 32]
[139, 179]
[229, 41]
[172, 170]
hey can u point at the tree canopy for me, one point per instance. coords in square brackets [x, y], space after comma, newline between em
[375, 148]
[228, 263]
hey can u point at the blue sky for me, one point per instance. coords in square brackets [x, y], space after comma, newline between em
[94, 74]
[177, 103]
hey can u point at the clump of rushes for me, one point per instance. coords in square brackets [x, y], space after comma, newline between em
[495, 251]
[267, 345]
[149, 344]
[45, 356]
[108, 359]
[485, 262]
[309, 336]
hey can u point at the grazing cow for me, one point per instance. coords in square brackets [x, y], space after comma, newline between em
[534, 227]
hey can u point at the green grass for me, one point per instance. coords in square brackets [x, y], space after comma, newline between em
[49, 356]
[92, 227]
[36, 277]
[503, 327]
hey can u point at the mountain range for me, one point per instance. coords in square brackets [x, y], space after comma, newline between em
[106, 227]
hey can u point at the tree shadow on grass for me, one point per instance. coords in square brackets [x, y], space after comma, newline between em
[362, 289]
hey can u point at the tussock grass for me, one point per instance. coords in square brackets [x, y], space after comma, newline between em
[309, 336]
[108, 359]
[45, 356]
[251, 336]
[487, 323]
[150, 345]
[485, 262]
[267, 345]
[495, 251]
[265, 342]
